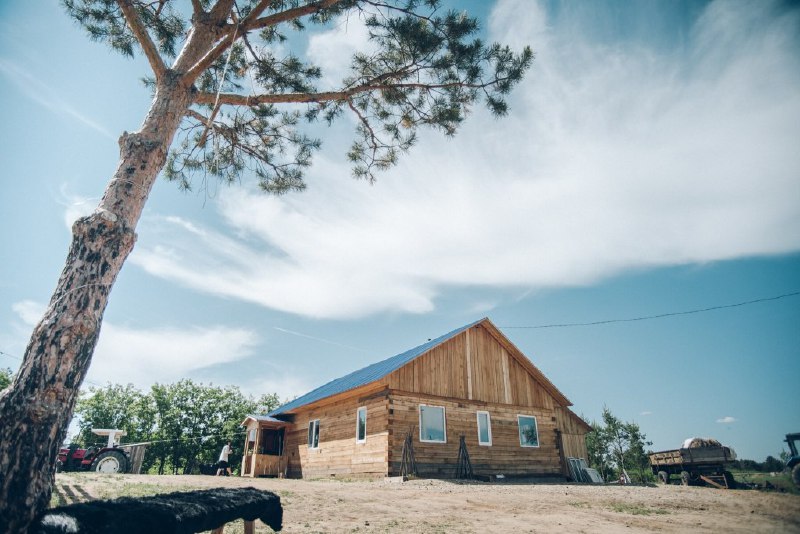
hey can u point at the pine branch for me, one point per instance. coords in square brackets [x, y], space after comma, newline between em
[150, 50]
[233, 99]
[256, 11]
[252, 23]
[197, 8]
[312, 7]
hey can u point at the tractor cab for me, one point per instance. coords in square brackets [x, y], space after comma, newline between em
[108, 459]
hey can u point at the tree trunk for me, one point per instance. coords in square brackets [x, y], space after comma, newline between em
[36, 410]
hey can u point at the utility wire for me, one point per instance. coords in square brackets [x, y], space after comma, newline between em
[661, 315]
[171, 440]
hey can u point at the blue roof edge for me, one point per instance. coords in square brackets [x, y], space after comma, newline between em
[368, 374]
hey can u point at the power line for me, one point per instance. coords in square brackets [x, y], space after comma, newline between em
[661, 315]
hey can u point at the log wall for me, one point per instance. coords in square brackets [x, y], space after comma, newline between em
[573, 433]
[505, 455]
[338, 453]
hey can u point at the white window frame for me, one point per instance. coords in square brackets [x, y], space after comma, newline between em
[488, 427]
[444, 422]
[314, 423]
[519, 430]
[358, 411]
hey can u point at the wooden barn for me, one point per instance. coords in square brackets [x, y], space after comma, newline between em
[472, 382]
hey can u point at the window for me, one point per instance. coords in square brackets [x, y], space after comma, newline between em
[484, 429]
[313, 434]
[528, 435]
[361, 425]
[432, 424]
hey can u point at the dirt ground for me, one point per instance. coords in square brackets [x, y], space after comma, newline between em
[436, 506]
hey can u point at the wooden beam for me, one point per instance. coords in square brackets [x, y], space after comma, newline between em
[709, 481]
[468, 356]
[506, 379]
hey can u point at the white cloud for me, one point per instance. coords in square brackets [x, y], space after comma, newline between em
[727, 419]
[611, 159]
[143, 356]
[645, 413]
[288, 385]
[76, 206]
[29, 311]
[333, 49]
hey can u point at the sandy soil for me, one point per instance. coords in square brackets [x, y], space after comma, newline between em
[436, 506]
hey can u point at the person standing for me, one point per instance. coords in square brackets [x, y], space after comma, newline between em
[223, 468]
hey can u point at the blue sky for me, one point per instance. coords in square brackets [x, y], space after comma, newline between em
[649, 165]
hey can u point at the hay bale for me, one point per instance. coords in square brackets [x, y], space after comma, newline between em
[696, 443]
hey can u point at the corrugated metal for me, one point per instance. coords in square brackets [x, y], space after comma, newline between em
[368, 374]
[264, 419]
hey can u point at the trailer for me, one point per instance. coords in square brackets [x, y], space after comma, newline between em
[698, 462]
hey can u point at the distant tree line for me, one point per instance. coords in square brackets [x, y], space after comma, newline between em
[770, 465]
[187, 423]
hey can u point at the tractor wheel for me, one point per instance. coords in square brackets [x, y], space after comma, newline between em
[796, 475]
[686, 479]
[110, 462]
[663, 477]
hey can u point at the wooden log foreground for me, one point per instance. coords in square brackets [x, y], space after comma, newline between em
[169, 513]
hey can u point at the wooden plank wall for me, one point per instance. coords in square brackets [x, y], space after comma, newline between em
[338, 453]
[569, 422]
[504, 456]
[572, 433]
[472, 366]
[574, 446]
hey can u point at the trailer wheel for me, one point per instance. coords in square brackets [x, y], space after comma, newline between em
[110, 462]
[796, 475]
[663, 477]
[686, 479]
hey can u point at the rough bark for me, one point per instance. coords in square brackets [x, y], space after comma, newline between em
[36, 410]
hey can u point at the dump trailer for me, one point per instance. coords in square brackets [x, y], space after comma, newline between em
[698, 462]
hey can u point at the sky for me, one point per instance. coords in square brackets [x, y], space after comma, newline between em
[648, 166]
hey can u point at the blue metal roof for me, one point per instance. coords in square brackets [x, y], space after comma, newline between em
[368, 374]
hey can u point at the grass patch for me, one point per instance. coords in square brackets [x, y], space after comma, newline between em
[579, 504]
[780, 481]
[635, 509]
[136, 490]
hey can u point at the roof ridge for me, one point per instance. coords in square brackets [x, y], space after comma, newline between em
[370, 373]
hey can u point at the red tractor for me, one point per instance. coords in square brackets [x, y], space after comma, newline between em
[108, 459]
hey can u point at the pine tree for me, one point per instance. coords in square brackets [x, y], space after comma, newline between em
[425, 68]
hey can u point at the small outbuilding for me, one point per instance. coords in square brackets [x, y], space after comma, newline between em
[413, 409]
